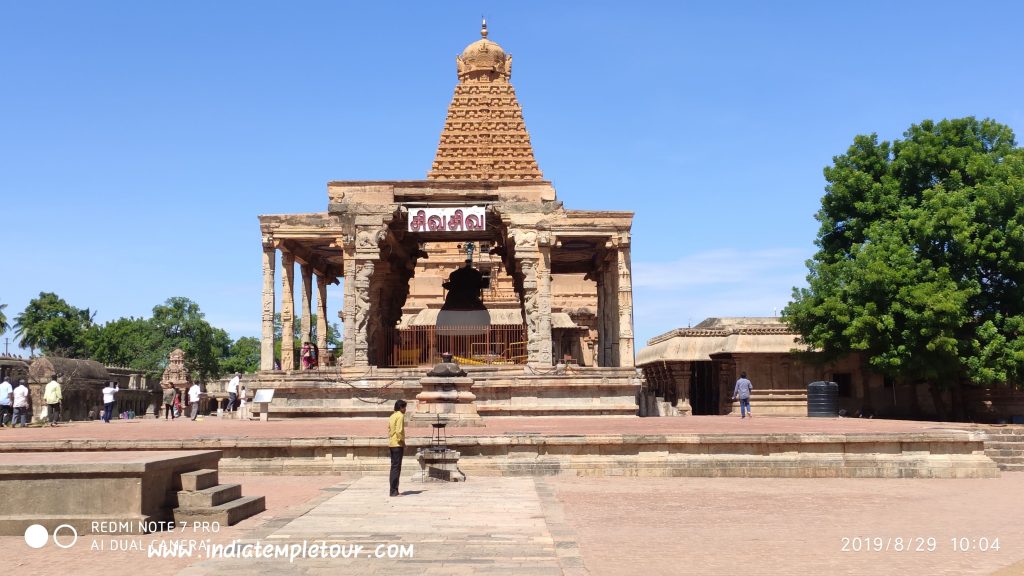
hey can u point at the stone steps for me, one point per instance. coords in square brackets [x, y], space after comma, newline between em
[227, 514]
[1005, 446]
[203, 499]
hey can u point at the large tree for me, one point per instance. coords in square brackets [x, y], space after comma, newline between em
[3, 319]
[243, 356]
[179, 323]
[920, 261]
[54, 326]
[131, 342]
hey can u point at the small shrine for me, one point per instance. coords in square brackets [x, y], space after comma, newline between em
[176, 375]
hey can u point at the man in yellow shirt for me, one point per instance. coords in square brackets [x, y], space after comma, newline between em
[396, 443]
[52, 397]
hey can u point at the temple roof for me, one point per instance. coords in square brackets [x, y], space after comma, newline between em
[484, 135]
[713, 336]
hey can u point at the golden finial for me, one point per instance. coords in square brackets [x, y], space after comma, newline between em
[483, 27]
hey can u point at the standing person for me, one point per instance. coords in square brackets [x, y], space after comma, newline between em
[232, 389]
[108, 400]
[169, 394]
[193, 399]
[6, 409]
[396, 443]
[742, 393]
[307, 356]
[20, 404]
[52, 397]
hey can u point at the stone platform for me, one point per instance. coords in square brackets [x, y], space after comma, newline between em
[499, 391]
[575, 446]
[121, 491]
[125, 487]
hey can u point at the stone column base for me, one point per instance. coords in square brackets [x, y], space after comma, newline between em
[448, 398]
[438, 464]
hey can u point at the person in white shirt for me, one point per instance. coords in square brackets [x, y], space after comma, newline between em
[193, 400]
[108, 400]
[20, 404]
[6, 409]
[232, 389]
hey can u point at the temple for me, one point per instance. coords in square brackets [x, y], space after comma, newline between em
[480, 259]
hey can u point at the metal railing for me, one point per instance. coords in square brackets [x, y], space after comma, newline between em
[469, 345]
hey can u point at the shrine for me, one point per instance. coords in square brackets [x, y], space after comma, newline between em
[479, 260]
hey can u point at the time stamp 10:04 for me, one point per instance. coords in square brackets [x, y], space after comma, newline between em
[918, 544]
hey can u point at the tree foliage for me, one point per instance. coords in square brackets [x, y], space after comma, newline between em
[54, 326]
[178, 323]
[920, 261]
[243, 356]
[3, 319]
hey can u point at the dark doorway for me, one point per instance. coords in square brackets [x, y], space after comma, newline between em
[703, 389]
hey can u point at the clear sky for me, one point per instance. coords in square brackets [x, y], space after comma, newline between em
[140, 140]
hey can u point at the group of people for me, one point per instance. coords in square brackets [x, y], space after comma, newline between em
[13, 404]
[172, 402]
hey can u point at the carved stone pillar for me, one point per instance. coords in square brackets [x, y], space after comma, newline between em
[321, 313]
[305, 328]
[287, 310]
[348, 311]
[624, 282]
[267, 337]
[363, 268]
[533, 256]
[681, 377]
[607, 315]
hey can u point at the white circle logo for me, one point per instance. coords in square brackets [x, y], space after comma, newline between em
[36, 536]
[74, 535]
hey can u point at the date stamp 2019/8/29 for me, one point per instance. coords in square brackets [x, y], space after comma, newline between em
[913, 544]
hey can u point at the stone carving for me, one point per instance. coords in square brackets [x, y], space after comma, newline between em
[484, 136]
[446, 369]
[525, 238]
[370, 239]
[362, 301]
[175, 375]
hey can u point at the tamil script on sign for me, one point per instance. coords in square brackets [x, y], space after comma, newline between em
[446, 219]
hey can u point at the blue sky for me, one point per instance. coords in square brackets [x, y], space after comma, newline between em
[140, 140]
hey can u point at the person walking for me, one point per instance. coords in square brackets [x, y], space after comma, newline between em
[6, 397]
[20, 404]
[109, 391]
[52, 397]
[232, 389]
[193, 399]
[169, 393]
[396, 443]
[742, 393]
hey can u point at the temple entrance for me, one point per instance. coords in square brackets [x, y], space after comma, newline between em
[703, 389]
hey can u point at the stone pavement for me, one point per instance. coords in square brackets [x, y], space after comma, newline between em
[214, 428]
[604, 527]
[493, 526]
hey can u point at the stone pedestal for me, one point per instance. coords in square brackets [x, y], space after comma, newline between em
[449, 398]
[439, 464]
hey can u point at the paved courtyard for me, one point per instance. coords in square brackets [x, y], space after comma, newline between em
[212, 427]
[601, 526]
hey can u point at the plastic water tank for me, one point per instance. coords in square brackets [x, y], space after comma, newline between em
[823, 399]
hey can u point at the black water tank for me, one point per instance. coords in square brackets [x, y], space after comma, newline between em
[823, 399]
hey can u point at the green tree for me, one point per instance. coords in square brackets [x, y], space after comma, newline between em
[178, 323]
[920, 261]
[131, 342]
[54, 326]
[243, 356]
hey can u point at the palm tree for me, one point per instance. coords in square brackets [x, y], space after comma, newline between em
[3, 319]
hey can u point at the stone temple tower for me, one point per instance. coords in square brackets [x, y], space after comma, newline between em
[484, 135]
